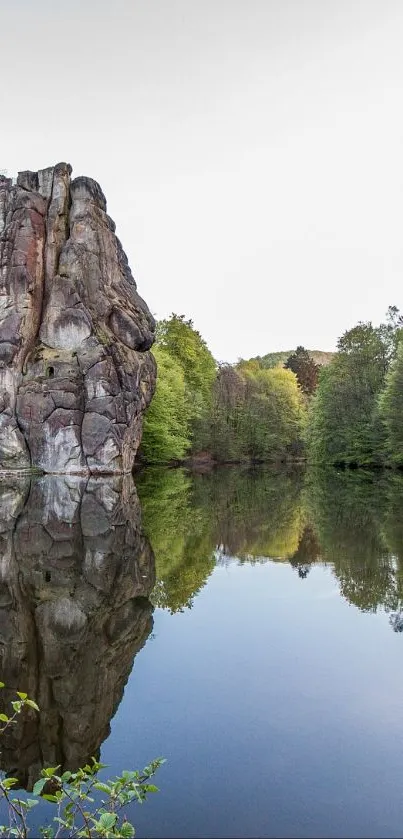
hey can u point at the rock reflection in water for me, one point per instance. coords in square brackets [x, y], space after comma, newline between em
[75, 575]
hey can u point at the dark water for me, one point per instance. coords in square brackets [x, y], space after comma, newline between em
[267, 656]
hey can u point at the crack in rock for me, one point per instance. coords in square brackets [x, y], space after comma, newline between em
[72, 325]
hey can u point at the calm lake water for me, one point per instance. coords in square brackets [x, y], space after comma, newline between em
[265, 663]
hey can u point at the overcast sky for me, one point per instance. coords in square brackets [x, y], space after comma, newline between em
[250, 151]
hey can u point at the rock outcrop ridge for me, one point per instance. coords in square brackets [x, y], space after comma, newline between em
[76, 373]
[76, 573]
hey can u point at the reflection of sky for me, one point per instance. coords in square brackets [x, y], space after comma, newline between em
[278, 707]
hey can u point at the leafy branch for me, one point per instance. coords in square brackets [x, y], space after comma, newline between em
[78, 813]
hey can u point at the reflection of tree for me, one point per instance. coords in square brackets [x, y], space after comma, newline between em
[76, 572]
[348, 509]
[307, 553]
[251, 514]
[350, 520]
[179, 529]
[396, 621]
[393, 518]
[256, 512]
[392, 529]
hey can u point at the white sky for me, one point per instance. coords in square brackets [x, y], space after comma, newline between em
[250, 151]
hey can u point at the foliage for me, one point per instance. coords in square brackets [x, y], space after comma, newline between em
[256, 414]
[186, 371]
[178, 337]
[305, 369]
[221, 433]
[345, 424]
[166, 423]
[273, 416]
[79, 811]
[345, 412]
[391, 409]
[234, 414]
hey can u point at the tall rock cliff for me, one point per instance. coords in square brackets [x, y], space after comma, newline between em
[75, 369]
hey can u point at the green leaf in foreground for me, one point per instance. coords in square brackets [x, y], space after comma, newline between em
[107, 821]
[39, 785]
[127, 830]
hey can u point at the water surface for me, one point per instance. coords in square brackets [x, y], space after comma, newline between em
[270, 674]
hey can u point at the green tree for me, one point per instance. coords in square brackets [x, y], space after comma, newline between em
[221, 434]
[257, 414]
[340, 426]
[166, 424]
[273, 415]
[345, 425]
[391, 409]
[176, 422]
[185, 345]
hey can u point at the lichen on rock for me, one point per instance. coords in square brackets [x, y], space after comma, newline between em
[76, 372]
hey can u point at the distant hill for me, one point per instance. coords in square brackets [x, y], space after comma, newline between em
[278, 359]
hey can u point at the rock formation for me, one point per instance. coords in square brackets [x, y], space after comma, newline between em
[75, 575]
[75, 368]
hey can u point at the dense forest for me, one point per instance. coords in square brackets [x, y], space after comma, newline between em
[344, 411]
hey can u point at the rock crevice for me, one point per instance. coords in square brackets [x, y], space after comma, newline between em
[76, 372]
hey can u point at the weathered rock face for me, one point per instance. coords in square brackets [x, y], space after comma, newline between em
[75, 575]
[75, 369]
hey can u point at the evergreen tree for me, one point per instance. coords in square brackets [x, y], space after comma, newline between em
[305, 369]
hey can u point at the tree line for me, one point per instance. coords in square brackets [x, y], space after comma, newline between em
[347, 412]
